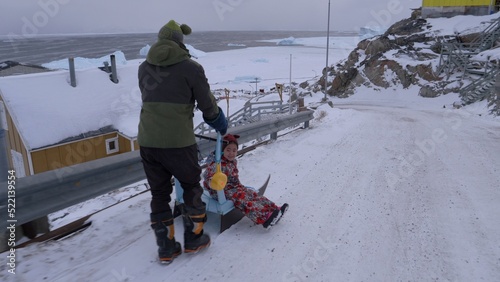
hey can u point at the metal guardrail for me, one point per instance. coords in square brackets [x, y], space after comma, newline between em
[41, 194]
[44, 193]
[255, 130]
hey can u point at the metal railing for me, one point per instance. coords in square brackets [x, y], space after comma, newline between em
[251, 112]
[480, 88]
[487, 38]
[44, 193]
[457, 55]
[494, 101]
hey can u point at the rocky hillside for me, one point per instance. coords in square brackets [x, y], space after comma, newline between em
[406, 54]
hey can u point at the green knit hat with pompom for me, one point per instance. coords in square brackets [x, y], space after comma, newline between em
[173, 31]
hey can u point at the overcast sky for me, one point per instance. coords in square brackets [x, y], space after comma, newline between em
[26, 18]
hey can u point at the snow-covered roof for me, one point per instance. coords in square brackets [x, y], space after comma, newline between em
[47, 102]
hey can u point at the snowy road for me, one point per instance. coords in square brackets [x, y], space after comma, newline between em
[376, 194]
[398, 195]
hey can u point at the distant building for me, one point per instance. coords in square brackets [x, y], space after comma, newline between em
[450, 8]
[8, 68]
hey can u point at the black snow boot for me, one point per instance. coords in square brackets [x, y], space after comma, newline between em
[272, 219]
[194, 239]
[275, 217]
[283, 210]
[163, 226]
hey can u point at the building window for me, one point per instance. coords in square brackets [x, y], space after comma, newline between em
[112, 145]
[18, 163]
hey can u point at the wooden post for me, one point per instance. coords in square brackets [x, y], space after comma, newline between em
[300, 105]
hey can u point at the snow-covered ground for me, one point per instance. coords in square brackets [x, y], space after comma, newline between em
[383, 186]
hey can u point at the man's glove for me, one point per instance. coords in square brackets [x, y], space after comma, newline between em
[219, 123]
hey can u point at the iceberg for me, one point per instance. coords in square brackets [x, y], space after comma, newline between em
[369, 32]
[287, 41]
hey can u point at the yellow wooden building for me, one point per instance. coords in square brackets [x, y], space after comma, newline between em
[450, 8]
[50, 124]
[27, 161]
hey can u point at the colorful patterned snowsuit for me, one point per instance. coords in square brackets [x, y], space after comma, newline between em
[255, 207]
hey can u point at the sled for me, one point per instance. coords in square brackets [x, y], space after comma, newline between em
[220, 212]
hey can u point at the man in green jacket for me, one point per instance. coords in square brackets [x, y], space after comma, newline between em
[171, 83]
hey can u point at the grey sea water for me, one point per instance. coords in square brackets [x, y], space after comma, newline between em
[44, 49]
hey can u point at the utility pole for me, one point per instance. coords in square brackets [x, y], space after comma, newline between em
[290, 90]
[327, 48]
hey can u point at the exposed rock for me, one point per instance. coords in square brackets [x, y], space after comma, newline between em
[407, 27]
[304, 85]
[467, 38]
[363, 44]
[378, 46]
[342, 81]
[437, 89]
[424, 71]
[436, 47]
[428, 92]
[410, 40]
[352, 59]
[374, 68]
[375, 72]
[416, 13]
[457, 105]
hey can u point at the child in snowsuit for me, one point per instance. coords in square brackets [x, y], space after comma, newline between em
[258, 208]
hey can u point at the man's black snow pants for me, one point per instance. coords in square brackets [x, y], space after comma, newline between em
[182, 163]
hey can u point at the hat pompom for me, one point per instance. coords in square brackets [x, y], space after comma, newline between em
[231, 138]
[186, 30]
[173, 31]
